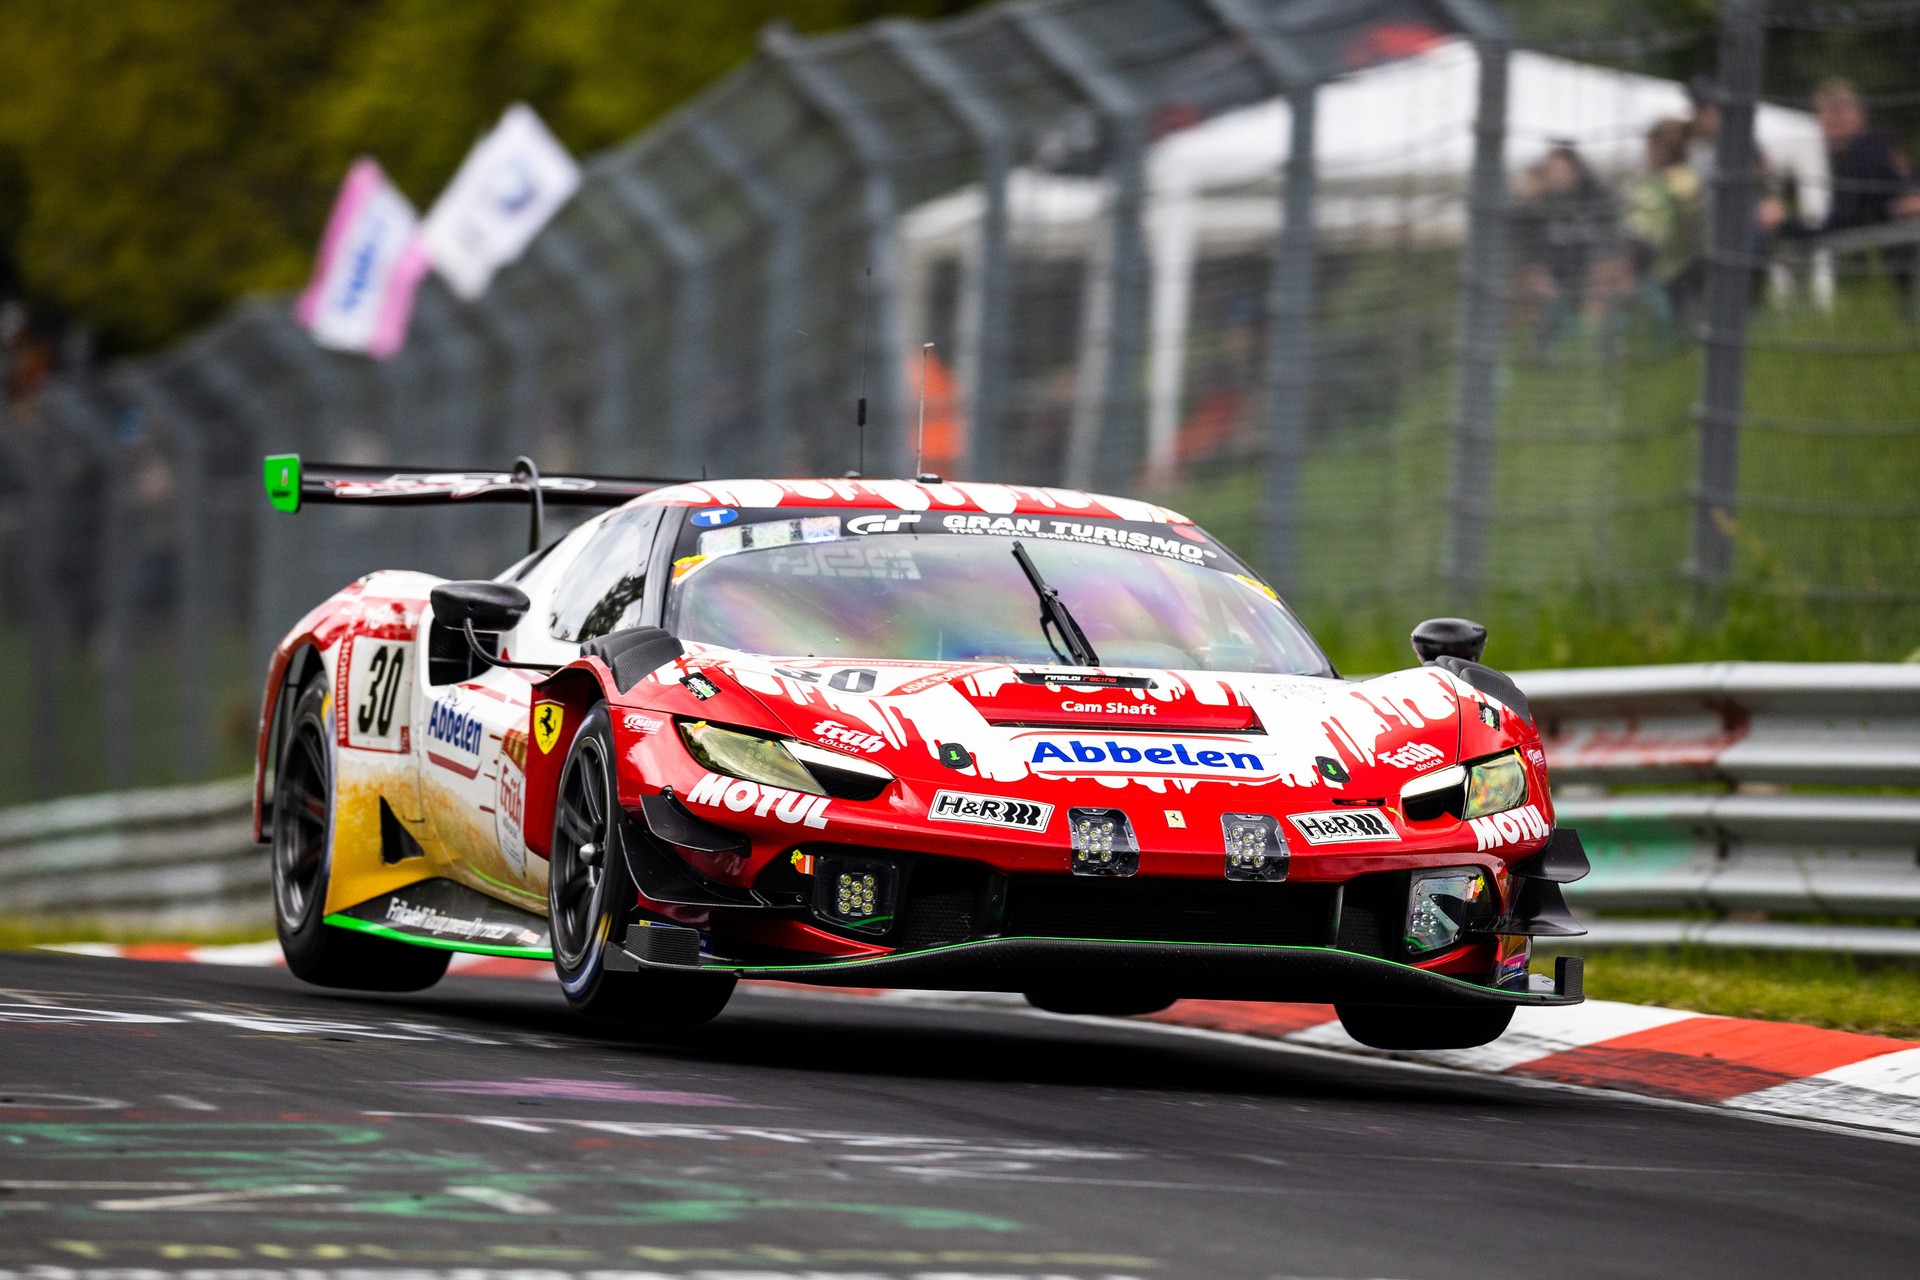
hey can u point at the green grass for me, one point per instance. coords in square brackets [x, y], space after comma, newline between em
[21, 934]
[1846, 993]
[1590, 534]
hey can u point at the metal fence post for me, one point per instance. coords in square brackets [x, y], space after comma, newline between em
[41, 471]
[985, 328]
[1288, 359]
[612, 414]
[1106, 444]
[191, 580]
[1482, 291]
[822, 91]
[692, 313]
[1743, 38]
[780, 313]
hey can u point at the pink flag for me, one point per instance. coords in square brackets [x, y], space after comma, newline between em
[371, 261]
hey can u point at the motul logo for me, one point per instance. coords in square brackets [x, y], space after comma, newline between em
[739, 795]
[1511, 827]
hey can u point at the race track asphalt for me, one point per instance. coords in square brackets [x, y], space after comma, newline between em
[171, 1120]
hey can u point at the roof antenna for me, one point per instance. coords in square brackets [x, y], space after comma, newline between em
[866, 351]
[920, 441]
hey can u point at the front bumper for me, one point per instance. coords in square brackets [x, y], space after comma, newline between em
[1197, 971]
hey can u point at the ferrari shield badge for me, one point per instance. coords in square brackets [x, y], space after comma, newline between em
[547, 718]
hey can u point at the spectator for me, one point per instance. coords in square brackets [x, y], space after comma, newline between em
[1664, 224]
[1872, 181]
[1564, 226]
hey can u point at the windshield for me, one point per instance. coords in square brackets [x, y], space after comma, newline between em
[946, 597]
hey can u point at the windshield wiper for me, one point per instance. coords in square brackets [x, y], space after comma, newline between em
[1055, 616]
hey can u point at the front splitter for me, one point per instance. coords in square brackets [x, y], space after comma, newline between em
[1193, 971]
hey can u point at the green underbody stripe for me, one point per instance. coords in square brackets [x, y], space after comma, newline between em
[439, 944]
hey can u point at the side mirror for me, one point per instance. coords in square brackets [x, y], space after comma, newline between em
[1449, 638]
[489, 606]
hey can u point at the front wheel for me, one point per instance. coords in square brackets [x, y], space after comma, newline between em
[316, 951]
[1380, 1026]
[590, 898]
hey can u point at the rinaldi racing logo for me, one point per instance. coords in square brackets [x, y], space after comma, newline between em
[1342, 826]
[739, 795]
[989, 811]
[1511, 827]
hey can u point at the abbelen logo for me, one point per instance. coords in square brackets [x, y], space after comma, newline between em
[1511, 827]
[882, 524]
[739, 795]
[459, 730]
[1342, 826]
[1415, 755]
[1074, 751]
[989, 811]
[828, 731]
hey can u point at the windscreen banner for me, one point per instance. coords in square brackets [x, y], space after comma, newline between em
[370, 263]
[510, 184]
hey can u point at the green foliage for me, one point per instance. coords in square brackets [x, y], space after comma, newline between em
[158, 158]
[1846, 993]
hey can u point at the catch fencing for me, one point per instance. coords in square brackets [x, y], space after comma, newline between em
[1293, 267]
[1766, 805]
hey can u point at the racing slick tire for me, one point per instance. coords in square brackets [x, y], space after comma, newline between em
[1381, 1026]
[590, 897]
[1101, 1004]
[302, 851]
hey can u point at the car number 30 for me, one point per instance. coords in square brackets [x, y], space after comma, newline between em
[375, 672]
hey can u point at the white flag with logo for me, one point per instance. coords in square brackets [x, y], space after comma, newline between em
[512, 181]
[370, 263]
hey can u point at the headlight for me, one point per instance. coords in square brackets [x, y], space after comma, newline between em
[1495, 786]
[1489, 786]
[781, 762]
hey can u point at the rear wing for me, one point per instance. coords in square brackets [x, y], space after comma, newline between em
[292, 483]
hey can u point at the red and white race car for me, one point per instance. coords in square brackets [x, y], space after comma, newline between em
[896, 734]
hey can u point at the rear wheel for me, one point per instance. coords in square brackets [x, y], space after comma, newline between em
[590, 897]
[303, 866]
[1382, 1026]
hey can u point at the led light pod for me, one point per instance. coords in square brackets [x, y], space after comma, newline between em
[1256, 850]
[855, 893]
[1103, 843]
[1442, 905]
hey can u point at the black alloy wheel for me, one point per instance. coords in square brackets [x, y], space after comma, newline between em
[302, 853]
[591, 898]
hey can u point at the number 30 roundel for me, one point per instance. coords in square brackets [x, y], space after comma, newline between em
[374, 712]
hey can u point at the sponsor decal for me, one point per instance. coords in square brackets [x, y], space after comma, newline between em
[372, 701]
[1144, 756]
[458, 733]
[1511, 827]
[714, 517]
[989, 811]
[840, 735]
[769, 533]
[1100, 534]
[547, 719]
[740, 796]
[634, 722]
[1415, 755]
[423, 919]
[701, 687]
[1535, 754]
[1176, 819]
[510, 804]
[1343, 826]
[1113, 708]
[883, 523]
